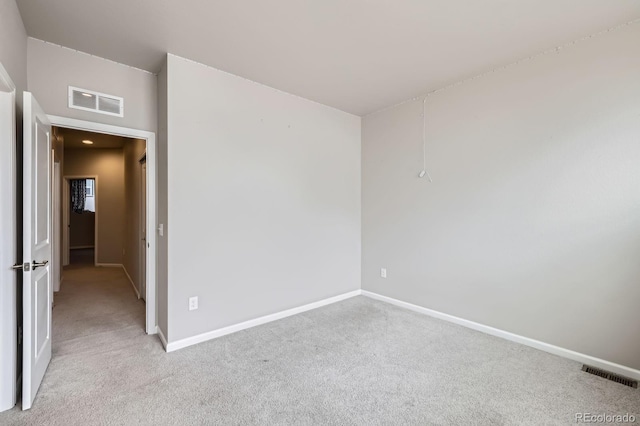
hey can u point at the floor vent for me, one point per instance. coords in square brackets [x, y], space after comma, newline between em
[101, 103]
[611, 376]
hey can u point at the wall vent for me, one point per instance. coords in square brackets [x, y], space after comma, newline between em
[610, 376]
[88, 100]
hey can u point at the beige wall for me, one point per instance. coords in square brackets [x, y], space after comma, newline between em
[532, 222]
[108, 166]
[133, 150]
[82, 229]
[57, 142]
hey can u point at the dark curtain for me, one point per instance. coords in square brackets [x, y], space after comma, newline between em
[78, 194]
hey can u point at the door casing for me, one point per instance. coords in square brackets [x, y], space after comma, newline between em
[56, 267]
[8, 249]
[152, 197]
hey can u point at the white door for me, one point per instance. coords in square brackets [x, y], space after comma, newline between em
[37, 275]
[143, 231]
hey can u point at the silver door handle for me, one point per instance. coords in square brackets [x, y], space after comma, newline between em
[39, 264]
[19, 266]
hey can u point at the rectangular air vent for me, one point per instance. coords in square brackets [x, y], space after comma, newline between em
[610, 376]
[88, 100]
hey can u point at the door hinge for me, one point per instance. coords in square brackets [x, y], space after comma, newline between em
[19, 335]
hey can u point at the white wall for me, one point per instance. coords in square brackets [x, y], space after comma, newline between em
[264, 199]
[52, 69]
[162, 240]
[13, 45]
[532, 222]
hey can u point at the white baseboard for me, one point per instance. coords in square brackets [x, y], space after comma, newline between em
[183, 343]
[163, 339]
[110, 265]
[131, 281]
[546, 347]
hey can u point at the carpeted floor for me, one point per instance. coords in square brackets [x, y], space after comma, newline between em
[355, 362]
[79, 257]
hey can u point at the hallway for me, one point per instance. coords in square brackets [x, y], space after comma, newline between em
[93, 301]
[84, 257]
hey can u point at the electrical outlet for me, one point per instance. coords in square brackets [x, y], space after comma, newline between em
[383, 272]
[193, 303]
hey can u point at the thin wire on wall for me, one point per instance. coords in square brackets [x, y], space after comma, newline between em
[424, 140]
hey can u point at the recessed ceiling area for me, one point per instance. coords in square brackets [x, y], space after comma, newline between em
[358, 56]
[73, 139]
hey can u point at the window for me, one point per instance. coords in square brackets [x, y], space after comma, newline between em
[90, 199]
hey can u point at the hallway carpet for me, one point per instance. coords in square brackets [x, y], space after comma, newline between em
[358, 362]
[79, 257]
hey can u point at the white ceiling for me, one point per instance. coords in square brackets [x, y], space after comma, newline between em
[355, 55]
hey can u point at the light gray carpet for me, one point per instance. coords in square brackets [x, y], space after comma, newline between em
[356, 362]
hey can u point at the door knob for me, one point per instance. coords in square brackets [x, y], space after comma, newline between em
[39, 264]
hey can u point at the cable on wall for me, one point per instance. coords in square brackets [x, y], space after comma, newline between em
[554, 50]
[424, 141]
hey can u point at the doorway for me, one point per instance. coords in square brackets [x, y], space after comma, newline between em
[104, 207]
[136, 226]
[80, 220]
[46, 190]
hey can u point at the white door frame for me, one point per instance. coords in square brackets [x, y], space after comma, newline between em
[8, 239]
[56, 260]
[152, 197]
[66, 215]
[65, 226]
[142, 272]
